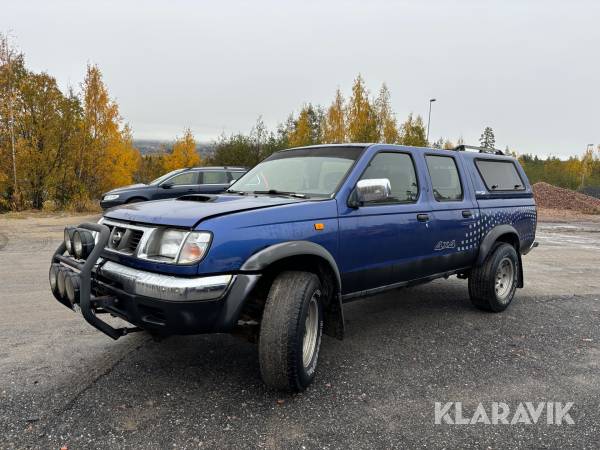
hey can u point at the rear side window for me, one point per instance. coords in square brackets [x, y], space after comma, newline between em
[214, 177]
[399, 169]
[499, 175]
[445, 180]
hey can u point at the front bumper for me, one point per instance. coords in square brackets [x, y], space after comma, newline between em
[163, 304]
[165, 287]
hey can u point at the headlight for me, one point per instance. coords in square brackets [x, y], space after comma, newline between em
[110, 197]
[176, 246]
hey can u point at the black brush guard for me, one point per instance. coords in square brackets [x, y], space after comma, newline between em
[90, 305]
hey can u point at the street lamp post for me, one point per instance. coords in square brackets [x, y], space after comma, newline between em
[431, 100]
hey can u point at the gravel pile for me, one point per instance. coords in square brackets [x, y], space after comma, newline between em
[549, 196]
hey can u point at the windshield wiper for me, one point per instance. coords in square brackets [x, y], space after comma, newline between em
[276, 192]
[233, 191]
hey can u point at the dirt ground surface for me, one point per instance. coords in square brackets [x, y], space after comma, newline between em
[64, 383]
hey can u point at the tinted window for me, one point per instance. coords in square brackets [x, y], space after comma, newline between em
[216, 177]
[399, 169]
[235, 175]
[499, 175]
[444, 178]
[184, 179]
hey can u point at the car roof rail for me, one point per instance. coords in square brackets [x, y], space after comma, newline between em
[464, 148]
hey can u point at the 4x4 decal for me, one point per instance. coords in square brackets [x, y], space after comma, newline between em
[443, 245]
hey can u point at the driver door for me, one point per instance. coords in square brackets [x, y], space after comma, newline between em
[391, 241]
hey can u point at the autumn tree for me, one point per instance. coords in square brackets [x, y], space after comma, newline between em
[487, 139]
[107, 158]
[361, 115]
[413, 132]
[334, 123]
[184, 153]
[45, 135]
[12, 71]
[307, 128]
[387, 128]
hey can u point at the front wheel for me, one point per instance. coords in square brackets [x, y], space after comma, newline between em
[492, 285]
[291, 330]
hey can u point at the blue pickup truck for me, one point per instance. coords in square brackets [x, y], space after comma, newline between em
[275, 257]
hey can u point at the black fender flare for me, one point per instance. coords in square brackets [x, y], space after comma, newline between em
[491, 238]
[269, 255]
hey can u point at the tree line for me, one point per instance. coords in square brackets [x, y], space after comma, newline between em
[62, 150]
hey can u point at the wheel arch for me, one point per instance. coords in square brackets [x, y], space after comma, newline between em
[501, 233]
[310, 257]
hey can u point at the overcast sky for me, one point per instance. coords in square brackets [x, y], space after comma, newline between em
[528, 69]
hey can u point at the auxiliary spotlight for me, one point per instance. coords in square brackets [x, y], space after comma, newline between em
[72, 287]
[83, 243]
[69, 232]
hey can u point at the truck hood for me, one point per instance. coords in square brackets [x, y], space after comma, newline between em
[188, 210]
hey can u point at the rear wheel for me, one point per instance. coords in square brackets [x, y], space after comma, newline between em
[492, 285]
[291, 330]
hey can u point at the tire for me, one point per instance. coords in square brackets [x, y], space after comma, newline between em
[492, 285]
[288, 354]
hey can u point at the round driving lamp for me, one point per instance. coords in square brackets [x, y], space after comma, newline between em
[53, 277]
[83, 243]
[61, 281]
[69, 232]
[72, 287]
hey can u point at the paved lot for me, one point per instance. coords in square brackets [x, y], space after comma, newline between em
[63, 383]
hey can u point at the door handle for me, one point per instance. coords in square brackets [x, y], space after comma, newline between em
[466, 214]
[423, 217]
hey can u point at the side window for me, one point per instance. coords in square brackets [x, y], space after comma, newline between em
[214, 177]
[399, 169]
[235, 175]
[445, 180]
[499, 175]
[184, 178]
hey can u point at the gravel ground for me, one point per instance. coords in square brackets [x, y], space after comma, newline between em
[63, 383]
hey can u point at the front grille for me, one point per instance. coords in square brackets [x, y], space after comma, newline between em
[124, 238]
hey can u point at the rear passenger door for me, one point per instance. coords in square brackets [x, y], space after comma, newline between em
[454, 210]
[213, 181]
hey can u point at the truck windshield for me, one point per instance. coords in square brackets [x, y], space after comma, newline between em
[306, 172]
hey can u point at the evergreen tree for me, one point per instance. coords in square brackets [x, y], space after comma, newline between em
[487, 139]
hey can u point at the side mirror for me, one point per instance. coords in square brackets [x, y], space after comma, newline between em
[166, 185]
[375, 190]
